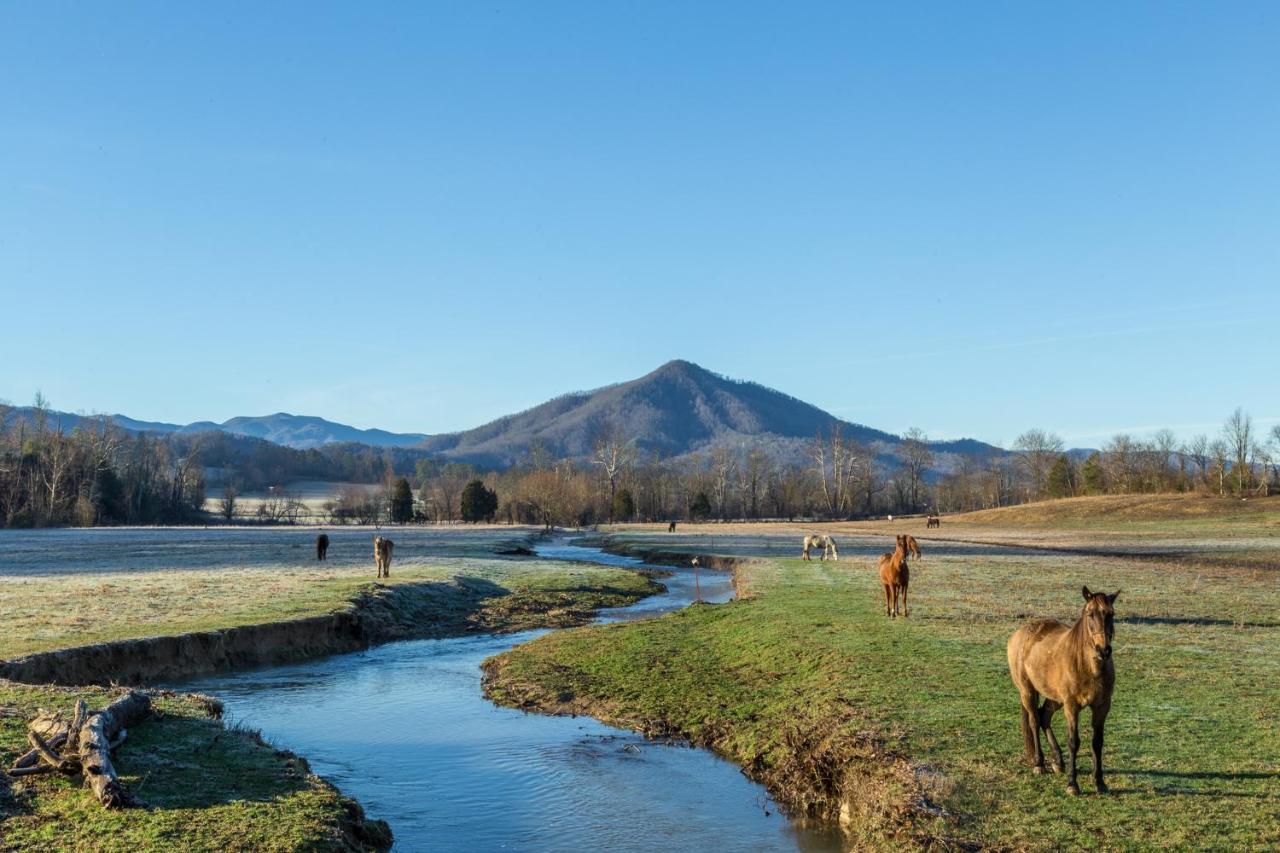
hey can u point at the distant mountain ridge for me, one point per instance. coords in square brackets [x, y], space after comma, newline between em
[301, 432]
[676, 410]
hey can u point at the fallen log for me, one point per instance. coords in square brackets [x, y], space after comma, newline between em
[83, 745]
[96, 734]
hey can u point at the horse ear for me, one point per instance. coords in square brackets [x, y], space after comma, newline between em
[1085, 591]
[1111, 599]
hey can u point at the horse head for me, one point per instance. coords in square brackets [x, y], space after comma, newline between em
[1098, 618]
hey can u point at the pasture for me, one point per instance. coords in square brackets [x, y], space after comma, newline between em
[214, 788]
[911, 727]
[61, 588]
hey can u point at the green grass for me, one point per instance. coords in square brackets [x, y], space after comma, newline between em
[809, 686]
[206, 787]
[217, 789]
[54, 612]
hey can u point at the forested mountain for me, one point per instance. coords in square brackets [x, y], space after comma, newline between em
[678, 409]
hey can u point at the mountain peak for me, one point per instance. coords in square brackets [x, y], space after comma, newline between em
[680, 367]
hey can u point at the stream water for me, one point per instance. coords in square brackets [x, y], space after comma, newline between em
[404, 729]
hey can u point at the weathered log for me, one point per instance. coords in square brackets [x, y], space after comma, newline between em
[30, 771]
[42, 749]
[29, 758]
[86, 743]
[95, 737]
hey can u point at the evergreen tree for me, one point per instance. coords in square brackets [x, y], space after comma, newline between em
[624, 506]
[700, 507]
[1095, 479]
[478, 502]
[1062, 478]
[401, 502]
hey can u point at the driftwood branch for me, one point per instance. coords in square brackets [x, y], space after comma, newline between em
[86, 742]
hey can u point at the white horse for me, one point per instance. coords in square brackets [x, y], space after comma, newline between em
[824, 542]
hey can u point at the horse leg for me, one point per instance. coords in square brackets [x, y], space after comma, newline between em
[1030, 731]
[1045, 720]
[905, 611]
[888, 601]
[1098, 718]
[1073, 746]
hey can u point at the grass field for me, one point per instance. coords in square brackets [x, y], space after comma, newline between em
[125, 587]
[912, 725]
[211, 788]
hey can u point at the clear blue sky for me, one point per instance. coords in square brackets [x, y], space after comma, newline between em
[969, 217]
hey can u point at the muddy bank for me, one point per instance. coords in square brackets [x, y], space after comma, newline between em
[828, 768]
[381, 614]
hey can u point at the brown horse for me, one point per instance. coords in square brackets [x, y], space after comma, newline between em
[382, 555]
[1071, 668]
[322, 546]
[894, 575]
[912, 548]
[933, 521]
[671, 527]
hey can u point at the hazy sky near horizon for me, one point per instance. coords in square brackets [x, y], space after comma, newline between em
[971, 218]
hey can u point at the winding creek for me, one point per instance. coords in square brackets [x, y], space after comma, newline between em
[404, 729]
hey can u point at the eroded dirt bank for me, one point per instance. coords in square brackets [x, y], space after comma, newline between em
[380, 614]
[827, 766]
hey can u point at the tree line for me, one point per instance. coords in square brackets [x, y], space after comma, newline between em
[100, 474]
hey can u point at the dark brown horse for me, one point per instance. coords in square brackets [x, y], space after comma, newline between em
[322, 545]
[894, 575]
[671, 528]
[933, 521]
[1071, 668]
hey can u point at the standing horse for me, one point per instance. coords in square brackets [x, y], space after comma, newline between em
[671, 528]
[823, 541]
[933, 521]
[322, 546]
[382, 548]
[1071, 668]
[894, 576]
[912, 548]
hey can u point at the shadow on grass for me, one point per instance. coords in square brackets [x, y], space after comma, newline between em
[1172, 788]
[180, 762]
[1206, 774]
[1195, 620]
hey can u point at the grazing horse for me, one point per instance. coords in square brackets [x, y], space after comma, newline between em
[1071, 668]
[933, 521]
[322, 546]
[894, 576]
[912, 548]
[382, 555]
[671, 528]
[823, 541]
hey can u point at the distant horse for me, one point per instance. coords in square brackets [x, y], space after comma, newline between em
[823, 541]
[1071, 668]
[894, 576]
[912, 548]
[933, 521]
[382, 548]
[322, 546]
[671, 528]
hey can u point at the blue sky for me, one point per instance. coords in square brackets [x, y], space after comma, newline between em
[972, 218]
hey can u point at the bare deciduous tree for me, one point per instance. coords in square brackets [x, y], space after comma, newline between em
[1038, 450]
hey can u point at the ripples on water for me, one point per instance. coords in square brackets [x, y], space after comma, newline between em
[404, 729]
